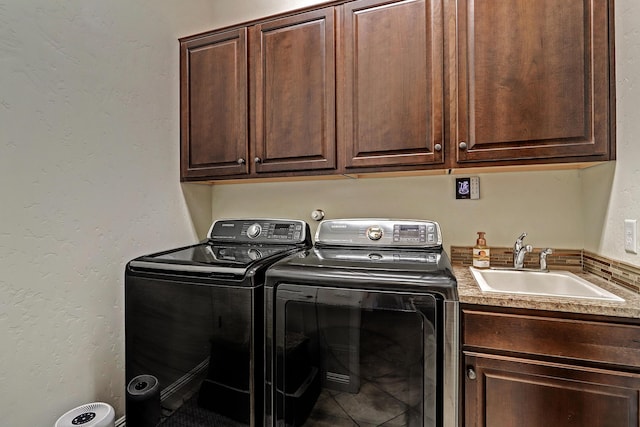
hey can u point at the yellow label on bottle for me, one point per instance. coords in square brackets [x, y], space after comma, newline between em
[481, 257]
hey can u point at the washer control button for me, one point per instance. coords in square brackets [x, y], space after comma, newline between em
[374, 232]
[254, 230]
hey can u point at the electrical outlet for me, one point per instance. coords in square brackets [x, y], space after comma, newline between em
[630, 236]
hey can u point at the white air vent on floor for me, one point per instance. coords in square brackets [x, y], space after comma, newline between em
[90, 415]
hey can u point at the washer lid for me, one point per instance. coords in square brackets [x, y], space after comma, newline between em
[209, 259]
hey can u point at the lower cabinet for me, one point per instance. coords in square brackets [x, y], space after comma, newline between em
[509, 392]
[583, 372]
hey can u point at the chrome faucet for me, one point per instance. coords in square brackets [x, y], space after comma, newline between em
[519, 251]
[543, 258]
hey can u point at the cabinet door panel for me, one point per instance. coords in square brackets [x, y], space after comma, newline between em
[533, 80]
[515, 392]
[213, 93]
[293, 97]
[392, 87]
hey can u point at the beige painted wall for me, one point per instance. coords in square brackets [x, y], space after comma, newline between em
[611, 193]
[89, 167]
[545, 204]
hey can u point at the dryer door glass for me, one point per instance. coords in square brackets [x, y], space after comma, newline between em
[346, 355]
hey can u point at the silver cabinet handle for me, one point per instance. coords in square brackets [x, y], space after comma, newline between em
[471, 373]
[463, 145]
[438, 147]
[257, 160]
[240, 161]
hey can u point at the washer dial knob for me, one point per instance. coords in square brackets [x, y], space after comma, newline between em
[254, 230]
[374, 233]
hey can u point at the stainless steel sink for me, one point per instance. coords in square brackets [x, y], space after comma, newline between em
[553, 283]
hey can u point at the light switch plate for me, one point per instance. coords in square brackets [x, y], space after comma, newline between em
[630, 236]
[475, 187]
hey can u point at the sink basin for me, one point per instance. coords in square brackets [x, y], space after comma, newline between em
[553, 283]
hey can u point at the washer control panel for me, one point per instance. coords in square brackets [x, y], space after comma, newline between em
[379, 232]
[259, 231]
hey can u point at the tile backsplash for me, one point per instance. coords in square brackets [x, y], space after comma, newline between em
[618, 272]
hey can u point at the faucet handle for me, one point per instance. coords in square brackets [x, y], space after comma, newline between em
[518, 244]
[543, 258]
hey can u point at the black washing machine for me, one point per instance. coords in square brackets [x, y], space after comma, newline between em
[362, 329]
[194, 321]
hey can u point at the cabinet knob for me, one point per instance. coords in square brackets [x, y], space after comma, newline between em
[471, 373]
[463, 145]
[240, 161]
[257, 160]
[438, 147]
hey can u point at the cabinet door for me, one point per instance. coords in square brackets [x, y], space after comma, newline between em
[213, 97]
[293, 95]
[391, 91]
[532, 80]
[507, 392]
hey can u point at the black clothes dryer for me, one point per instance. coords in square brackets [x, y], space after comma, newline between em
[194, 320]
[362, 329]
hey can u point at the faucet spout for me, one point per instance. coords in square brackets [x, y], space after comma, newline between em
[518, 262]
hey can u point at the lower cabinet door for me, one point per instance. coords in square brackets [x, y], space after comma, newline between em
[507, 392]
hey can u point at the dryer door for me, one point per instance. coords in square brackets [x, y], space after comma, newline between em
[347, 354]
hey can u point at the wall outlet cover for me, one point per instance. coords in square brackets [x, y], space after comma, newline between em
[630, 236]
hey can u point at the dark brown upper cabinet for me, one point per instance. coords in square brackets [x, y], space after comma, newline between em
[532, 81]
[391, 93]
[293, 113]
[213, 104]
[400, 85]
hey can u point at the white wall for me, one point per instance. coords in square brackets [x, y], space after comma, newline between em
[89, 132]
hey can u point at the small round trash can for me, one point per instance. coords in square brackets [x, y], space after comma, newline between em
[96, 414]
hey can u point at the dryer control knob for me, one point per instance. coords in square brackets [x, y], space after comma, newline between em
[254, 230]
[374, 233]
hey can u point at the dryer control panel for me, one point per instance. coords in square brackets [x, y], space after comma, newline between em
[379, 232]
[257, 231]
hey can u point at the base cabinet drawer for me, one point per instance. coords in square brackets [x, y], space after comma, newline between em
[575, 340]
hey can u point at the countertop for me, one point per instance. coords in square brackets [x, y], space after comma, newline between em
[470, 293]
